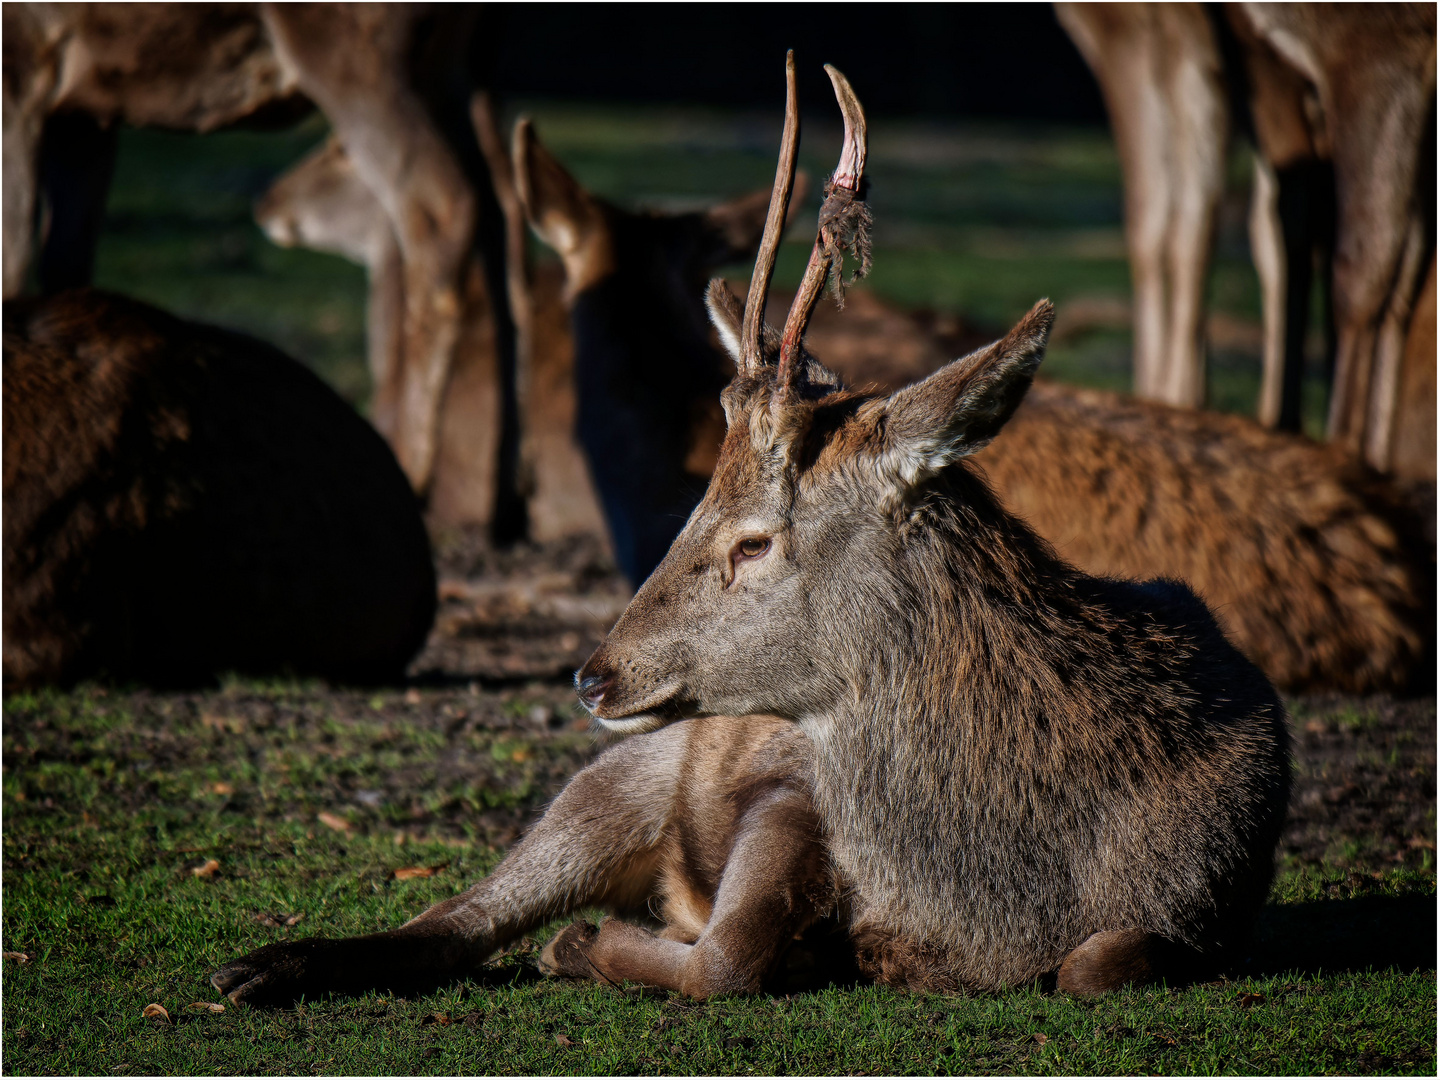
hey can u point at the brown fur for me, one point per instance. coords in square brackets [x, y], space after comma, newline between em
[1347, 87]
[942, 659]
[372, 68]
[1312, 563]
[182, 501]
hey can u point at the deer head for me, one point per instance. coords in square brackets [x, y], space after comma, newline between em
[807, 537]
[643, 358]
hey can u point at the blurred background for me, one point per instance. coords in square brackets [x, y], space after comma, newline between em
[995, 179]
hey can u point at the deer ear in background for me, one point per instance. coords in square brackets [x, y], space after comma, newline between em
[961, 407]
[734, 229]
[726, 314]
[563, 214]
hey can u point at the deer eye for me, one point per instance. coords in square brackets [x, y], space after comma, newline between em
[752, 547]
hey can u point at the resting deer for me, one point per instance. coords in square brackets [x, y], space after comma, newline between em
[182, 502]
[1006, 769]
[1340, 100]
[379, 72]
[1314, 565]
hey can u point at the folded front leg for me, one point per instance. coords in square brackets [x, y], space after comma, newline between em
[777, 881]
[596, 846]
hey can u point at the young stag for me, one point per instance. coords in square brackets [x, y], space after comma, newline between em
[998, 768]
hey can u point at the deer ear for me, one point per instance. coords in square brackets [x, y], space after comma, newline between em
[961, 407]
[734, 228]
[726, 315]
[562, 213]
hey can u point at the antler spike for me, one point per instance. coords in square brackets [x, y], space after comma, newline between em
[844, 227]
[751, 338]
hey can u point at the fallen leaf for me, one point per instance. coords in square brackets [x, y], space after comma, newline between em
[412, 696]
[280, 920]
[520, 754]
[20, 956]
[333, 821]
[405, 873]
[206, 869]
[564, 1040]
[207, 1006]
[443, 1019]
[1041, 1039]
[155, 1011]
[1421, 842]
[1316, 727]
[222, 788]
[1247, 1000]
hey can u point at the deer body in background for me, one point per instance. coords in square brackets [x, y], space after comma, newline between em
[375, 70]
[1016, 770]
[1313, 563]
[182, 502]
[1340, 99]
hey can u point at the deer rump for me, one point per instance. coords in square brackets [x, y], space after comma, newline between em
[907, 710]
[182, 501]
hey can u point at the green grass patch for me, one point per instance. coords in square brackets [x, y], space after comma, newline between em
[113, 800]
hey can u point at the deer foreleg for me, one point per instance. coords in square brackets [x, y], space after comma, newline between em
[595, 846]
[367, 93]
[776, 883]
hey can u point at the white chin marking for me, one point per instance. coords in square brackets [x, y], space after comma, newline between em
[634, 725]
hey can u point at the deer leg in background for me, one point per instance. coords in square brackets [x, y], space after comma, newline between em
[385, 335]
[399, 152]
[1412, 448]
[1199, 134]
[30, 77]
[1290, 216]
[77, 160]
[596, 845]
[1378, 261]
[1120, 42]
[1158, 66]
[776, 882]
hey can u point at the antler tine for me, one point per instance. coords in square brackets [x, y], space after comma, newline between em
[844, 226]
[751, 338]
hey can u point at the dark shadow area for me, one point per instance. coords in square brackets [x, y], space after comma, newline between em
[1326, 937]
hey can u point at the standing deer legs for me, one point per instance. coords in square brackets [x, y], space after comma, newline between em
[1158, 66]
[398, 151]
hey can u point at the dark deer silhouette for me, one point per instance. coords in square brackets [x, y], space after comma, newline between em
[181, 501]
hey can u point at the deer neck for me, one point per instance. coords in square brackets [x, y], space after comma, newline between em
[949, 690]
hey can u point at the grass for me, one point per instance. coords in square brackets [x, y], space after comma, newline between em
[975, 220]
[112, 800]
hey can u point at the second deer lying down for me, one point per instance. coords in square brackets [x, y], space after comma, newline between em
[1003, 768]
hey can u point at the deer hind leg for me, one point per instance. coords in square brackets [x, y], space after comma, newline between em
[596, 846]
[776, 883]
[1114, 958]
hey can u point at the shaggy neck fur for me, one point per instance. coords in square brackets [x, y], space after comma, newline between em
[1016, 729]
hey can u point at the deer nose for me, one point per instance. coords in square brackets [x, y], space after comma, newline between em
[592, 689]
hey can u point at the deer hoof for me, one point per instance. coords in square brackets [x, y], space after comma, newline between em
[567, 952]
[276, 974]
